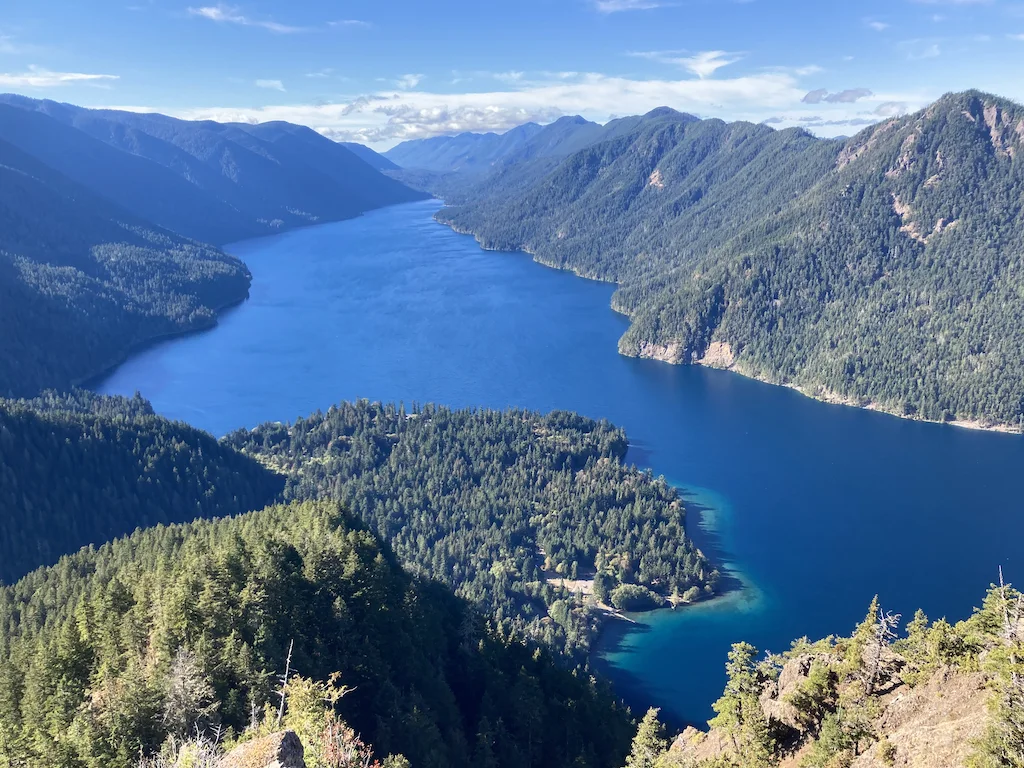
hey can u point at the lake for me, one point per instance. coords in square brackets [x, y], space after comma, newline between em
[814, 507]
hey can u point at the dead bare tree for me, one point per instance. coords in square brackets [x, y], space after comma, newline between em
[284, 682]
[884, 634]
[1013, 613]
[1013, 691]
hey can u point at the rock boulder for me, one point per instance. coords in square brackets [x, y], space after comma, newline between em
[278, 750]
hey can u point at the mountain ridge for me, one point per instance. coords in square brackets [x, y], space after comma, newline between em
[214, 182]
[727, 233]
[107, 216]
[83, 282]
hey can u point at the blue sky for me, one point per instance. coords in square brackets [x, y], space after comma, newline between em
[384, 71]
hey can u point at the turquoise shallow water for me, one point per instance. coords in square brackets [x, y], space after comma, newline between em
[814, 507]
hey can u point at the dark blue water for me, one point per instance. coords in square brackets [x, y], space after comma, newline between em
[817, 507]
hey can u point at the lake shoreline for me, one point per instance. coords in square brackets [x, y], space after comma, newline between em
[93, 380]
[831, 398]
[796, 492]
[707, 537]
[821, 396]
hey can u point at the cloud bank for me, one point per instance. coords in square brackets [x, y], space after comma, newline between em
[37, 77]
[403, 112]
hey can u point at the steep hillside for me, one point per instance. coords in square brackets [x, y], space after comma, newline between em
[884, 270]
[937, 695]
[368, 156]
[82, 282]
[212, 182]
[79, 470]
[661, 193]
[534, 518]
[558, 139]
[186, 630]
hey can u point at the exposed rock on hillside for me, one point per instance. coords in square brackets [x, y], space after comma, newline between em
[943, 696]
[278, 750]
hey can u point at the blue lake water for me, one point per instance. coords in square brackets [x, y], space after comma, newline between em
[815, 507]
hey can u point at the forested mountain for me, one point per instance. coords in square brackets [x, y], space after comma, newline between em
[512, 163]
[186, 629]
[368, 156]
[482, 153]
[81, 469]
[466, 152]
[558, 139]
[529, 516]
[209, 181]
[82, 282]
[882, 270]
[933, 694]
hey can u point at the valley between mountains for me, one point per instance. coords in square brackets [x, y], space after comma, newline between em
[382, 510]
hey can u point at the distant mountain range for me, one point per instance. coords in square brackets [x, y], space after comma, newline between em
[884, 270]
[470, 153]
[105, 216]
[209, 181]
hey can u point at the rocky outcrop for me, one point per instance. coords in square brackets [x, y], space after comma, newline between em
[719, 354]
[696, 746]
[776, 699]
[278, 750]
[937, 723]
[666, 353]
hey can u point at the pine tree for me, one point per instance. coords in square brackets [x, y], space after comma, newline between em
[649, 743]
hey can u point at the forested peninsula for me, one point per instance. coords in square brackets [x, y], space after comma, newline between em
[536, 519]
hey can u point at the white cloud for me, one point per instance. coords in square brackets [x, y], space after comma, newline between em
[408, 82]
[891, 108]
[37, 77]
[350, 23]
[273, 85]
[849, 96]
[387, 117]
[226, 14]
[1016, 37]
[703, 64]
[878, 26]
[921, 49]
[615, 6]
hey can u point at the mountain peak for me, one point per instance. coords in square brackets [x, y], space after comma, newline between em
[976, 105]
[663, 112]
